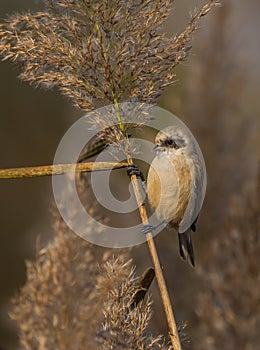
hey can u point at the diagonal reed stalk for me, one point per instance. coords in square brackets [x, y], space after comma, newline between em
[173, 331]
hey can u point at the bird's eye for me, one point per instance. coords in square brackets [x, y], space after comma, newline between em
[169, 142]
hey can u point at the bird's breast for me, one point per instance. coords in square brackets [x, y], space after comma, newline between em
[169, 187]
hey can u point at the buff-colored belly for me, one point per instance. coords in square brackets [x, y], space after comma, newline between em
[169, 188]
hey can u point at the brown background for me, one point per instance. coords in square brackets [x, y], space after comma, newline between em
[217, 95]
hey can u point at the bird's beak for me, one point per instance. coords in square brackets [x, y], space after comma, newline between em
[156, 148]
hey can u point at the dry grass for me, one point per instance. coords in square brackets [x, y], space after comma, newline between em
[229, 309]
[78, 296]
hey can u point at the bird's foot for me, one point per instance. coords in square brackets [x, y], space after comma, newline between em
[132, 169]
[148, 228]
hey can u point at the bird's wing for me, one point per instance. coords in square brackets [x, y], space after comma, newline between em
[198, 175]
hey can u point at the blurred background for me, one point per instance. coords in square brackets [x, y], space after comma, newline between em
[216, 95]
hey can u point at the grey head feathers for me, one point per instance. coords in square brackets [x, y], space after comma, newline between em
[173, 139]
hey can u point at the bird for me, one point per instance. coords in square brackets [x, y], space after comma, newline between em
[176, 181]
[176, 184]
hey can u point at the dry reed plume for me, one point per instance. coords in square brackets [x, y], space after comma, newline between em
[97, 52]
[78, 296]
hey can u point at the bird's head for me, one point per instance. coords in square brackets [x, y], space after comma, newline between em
[172, 140]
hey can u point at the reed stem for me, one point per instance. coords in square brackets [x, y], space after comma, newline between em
[58, 169]
[173, 331]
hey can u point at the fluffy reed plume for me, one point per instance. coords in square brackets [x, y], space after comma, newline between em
[98, 52]
[78, 296]
[124, 325]
[229, 309]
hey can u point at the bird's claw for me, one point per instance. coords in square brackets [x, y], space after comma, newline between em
[148, 228]
[132, 169]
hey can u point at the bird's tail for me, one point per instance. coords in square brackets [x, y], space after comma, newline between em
[186, 247]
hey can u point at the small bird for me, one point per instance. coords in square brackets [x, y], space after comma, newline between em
[176, 184]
